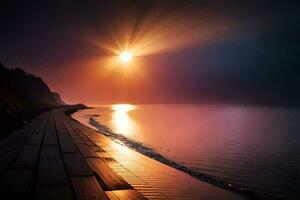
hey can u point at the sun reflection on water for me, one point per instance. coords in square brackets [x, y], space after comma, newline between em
[121, 121]
[122, 107]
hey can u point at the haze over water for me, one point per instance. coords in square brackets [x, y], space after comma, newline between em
[254, 147]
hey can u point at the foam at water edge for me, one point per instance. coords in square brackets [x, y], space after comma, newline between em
[152, 153]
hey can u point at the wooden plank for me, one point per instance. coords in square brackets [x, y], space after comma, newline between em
[10, 155]
[14, 143]
[50, 134]
[71, 129]
[103, 155]
[28, 157]
[87, 188]
[128, 194]
[78, 141]
[87, 151]
[109, 160]
[16, 183]
[96, 148]
[51, 172]
[96, 137]
[67, 145]
[65, 140]
[76, 137]
[86, 130]
[50, 151]
[10, 141]
[101, 143]
[85, 138]
[112, 180]
[89, 142]
[36, 137]
[76, 165]
[93, 135]
[53, 193]
[111, 195]
[52, 182]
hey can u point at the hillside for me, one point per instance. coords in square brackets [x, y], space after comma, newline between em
[22, 97]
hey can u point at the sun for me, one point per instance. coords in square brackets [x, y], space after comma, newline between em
[125, 57]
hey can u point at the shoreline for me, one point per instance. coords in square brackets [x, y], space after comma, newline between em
[152, 154]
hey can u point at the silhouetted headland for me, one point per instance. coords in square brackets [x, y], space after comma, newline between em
[22, 97]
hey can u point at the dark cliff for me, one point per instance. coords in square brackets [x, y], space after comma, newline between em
[22, 97]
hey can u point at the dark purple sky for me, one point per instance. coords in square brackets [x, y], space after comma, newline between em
[250, 53]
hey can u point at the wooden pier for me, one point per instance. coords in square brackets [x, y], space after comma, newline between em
[52, 158]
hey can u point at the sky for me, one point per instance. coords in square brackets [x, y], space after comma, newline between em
[184, 51]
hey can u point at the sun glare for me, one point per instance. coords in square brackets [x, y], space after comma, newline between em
[122, 107]
[125, 57]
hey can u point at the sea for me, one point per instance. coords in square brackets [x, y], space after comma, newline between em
[253, 147]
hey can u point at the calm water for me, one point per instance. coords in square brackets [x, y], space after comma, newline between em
[255, 147]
